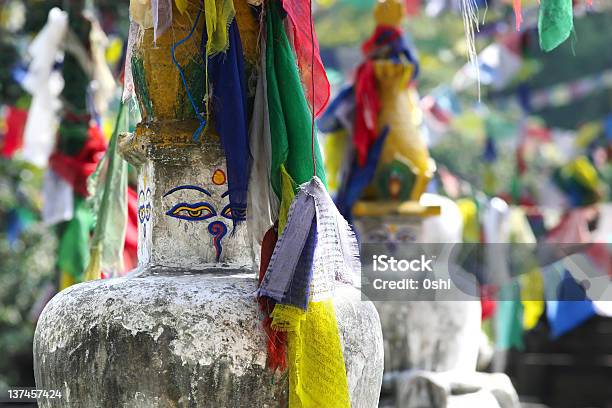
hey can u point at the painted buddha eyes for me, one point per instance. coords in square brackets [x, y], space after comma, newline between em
[144, 209]
[144, 213]
[236, 214]
[200, 211]
[203, 211]
[192, 212]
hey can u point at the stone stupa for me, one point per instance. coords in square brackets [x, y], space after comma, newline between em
[183, 329]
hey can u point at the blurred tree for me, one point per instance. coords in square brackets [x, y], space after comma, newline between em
[27, 250]
[10, 90]
[585, 54]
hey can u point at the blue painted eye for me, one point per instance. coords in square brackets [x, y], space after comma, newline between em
[192, 212]
[237, 214]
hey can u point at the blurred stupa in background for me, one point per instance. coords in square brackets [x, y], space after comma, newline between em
[379, 164]
[375, 149]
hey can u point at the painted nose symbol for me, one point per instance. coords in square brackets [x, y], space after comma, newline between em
[218, 230]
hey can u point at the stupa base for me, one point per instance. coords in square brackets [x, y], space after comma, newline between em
[182, 341]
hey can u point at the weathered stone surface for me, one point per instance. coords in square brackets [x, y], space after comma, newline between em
[362, 341]
[500, 386]
[418, 389]
[181, 341]
[476, 399]
[452, 389]
[431, 347]
[425, 335]
[433, 336]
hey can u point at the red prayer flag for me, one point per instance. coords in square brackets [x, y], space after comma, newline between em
[130, 249]
[413, 7]
[305, 43]
[367, 107]
[15, 124]
[518, 15]
[76, 169]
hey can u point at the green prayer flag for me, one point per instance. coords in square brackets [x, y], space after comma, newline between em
[73, 254]
[108, 187]
[555, 22]
[509, 318]
[515, 188]
[289, 114]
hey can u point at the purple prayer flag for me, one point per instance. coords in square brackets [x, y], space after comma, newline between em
[290, 271]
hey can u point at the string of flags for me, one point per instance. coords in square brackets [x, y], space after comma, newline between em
[570, 92]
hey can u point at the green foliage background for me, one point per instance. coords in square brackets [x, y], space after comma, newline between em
[26, 270]
[28, 265]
